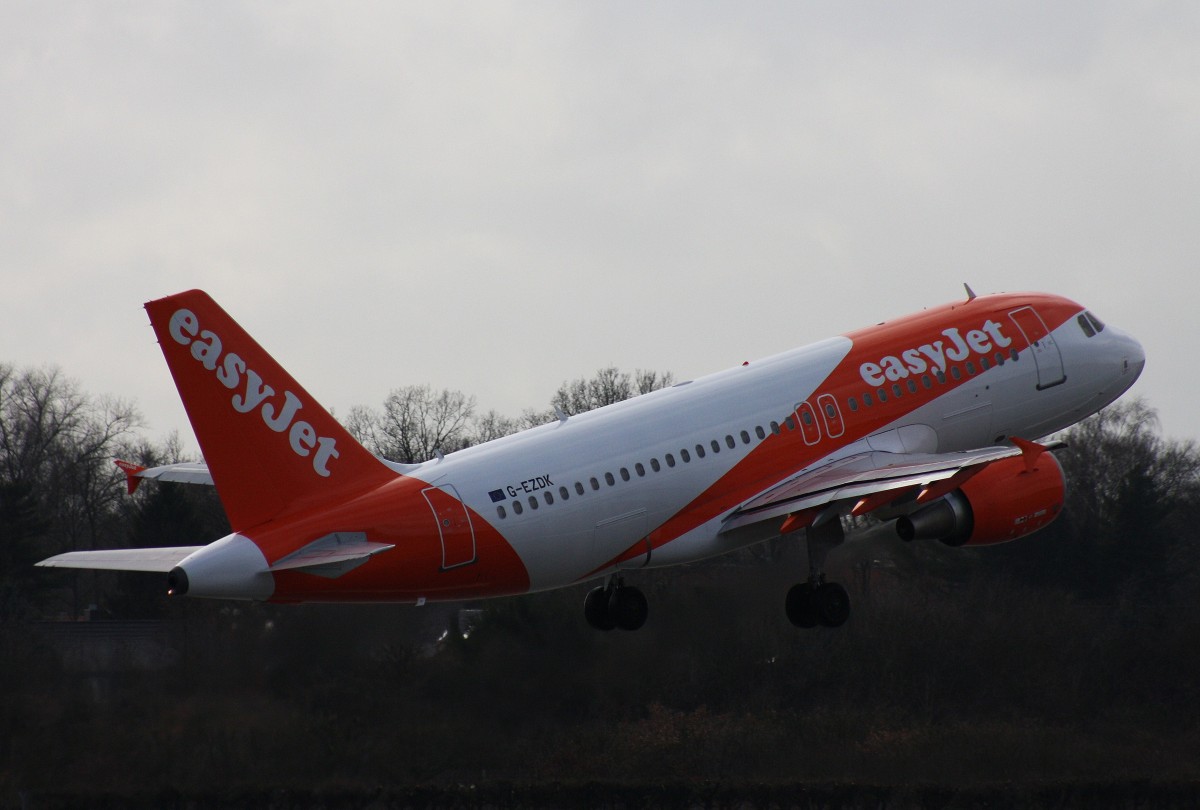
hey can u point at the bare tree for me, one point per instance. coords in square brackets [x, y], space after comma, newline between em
[415, 424]
[56, 449]
[606, 386]
[492, 425]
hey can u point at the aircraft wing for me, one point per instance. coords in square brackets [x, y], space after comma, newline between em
[867, 481]
[160, 560]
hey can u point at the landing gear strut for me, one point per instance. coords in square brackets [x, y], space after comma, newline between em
[615, 605]
[818, 602]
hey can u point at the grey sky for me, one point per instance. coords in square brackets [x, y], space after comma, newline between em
[496, 197]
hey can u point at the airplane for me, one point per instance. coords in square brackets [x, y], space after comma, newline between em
[927, 421]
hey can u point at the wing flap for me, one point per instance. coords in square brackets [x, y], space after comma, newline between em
[154, 560]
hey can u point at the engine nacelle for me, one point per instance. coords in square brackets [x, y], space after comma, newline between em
[1002, 502]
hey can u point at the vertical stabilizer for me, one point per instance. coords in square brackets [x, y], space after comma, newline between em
[271, 449]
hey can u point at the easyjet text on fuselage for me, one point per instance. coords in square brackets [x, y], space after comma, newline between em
[936, 354]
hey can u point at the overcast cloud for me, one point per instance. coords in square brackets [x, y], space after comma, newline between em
[496, 197]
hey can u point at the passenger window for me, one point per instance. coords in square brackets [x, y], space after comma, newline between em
[807, 417]
[683, 454]
[670, 460]
[925, 381]
[759, 432]
[775, 428]
[896, 390]
[970, 368]
[729, 442]
[1014, 354]
[699, 451]
[533, 504]
[955, 372]
[549, 498]
[715, 446]
[608, 479]
[852, 402]
[639, 469]
[624, 474]
[999, 358]
[984, 364]
[562, 493]
[578, 488]
[595, 484]
[654, 465]
[940, 376]
[517, 508]
[790, 422]
[500, 511]
[912, 386]
[882, 396]
[867, 401]
[745, 437]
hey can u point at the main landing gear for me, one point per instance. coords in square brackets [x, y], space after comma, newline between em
[815, 603]
[615, 605]
[818, 602]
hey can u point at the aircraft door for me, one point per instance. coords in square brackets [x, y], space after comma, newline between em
[1046, 355]
[832, 415]
[453, 525]
[809, 428]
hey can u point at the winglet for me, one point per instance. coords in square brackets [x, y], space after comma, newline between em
[132, 474]
[971, 296]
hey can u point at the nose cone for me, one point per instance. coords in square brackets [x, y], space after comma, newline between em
[1133, 357]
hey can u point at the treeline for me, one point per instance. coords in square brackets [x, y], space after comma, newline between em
[1069, 658]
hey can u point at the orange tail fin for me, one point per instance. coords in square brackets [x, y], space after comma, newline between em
[271, 449]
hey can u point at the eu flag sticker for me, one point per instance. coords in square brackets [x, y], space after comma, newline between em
[496, 495]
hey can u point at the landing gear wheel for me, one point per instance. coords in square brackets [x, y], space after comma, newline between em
[831, 604]
[615, 606]
[799, 606]
[825, 604]
[595, 609]
[627, 608]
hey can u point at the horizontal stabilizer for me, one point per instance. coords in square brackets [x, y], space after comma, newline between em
[155, 560]
[187, 472]
[332, 555]
[197, 472]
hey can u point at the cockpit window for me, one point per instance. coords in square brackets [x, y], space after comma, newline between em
[1090, 324]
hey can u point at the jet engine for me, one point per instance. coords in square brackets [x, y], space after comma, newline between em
[1008, 499]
